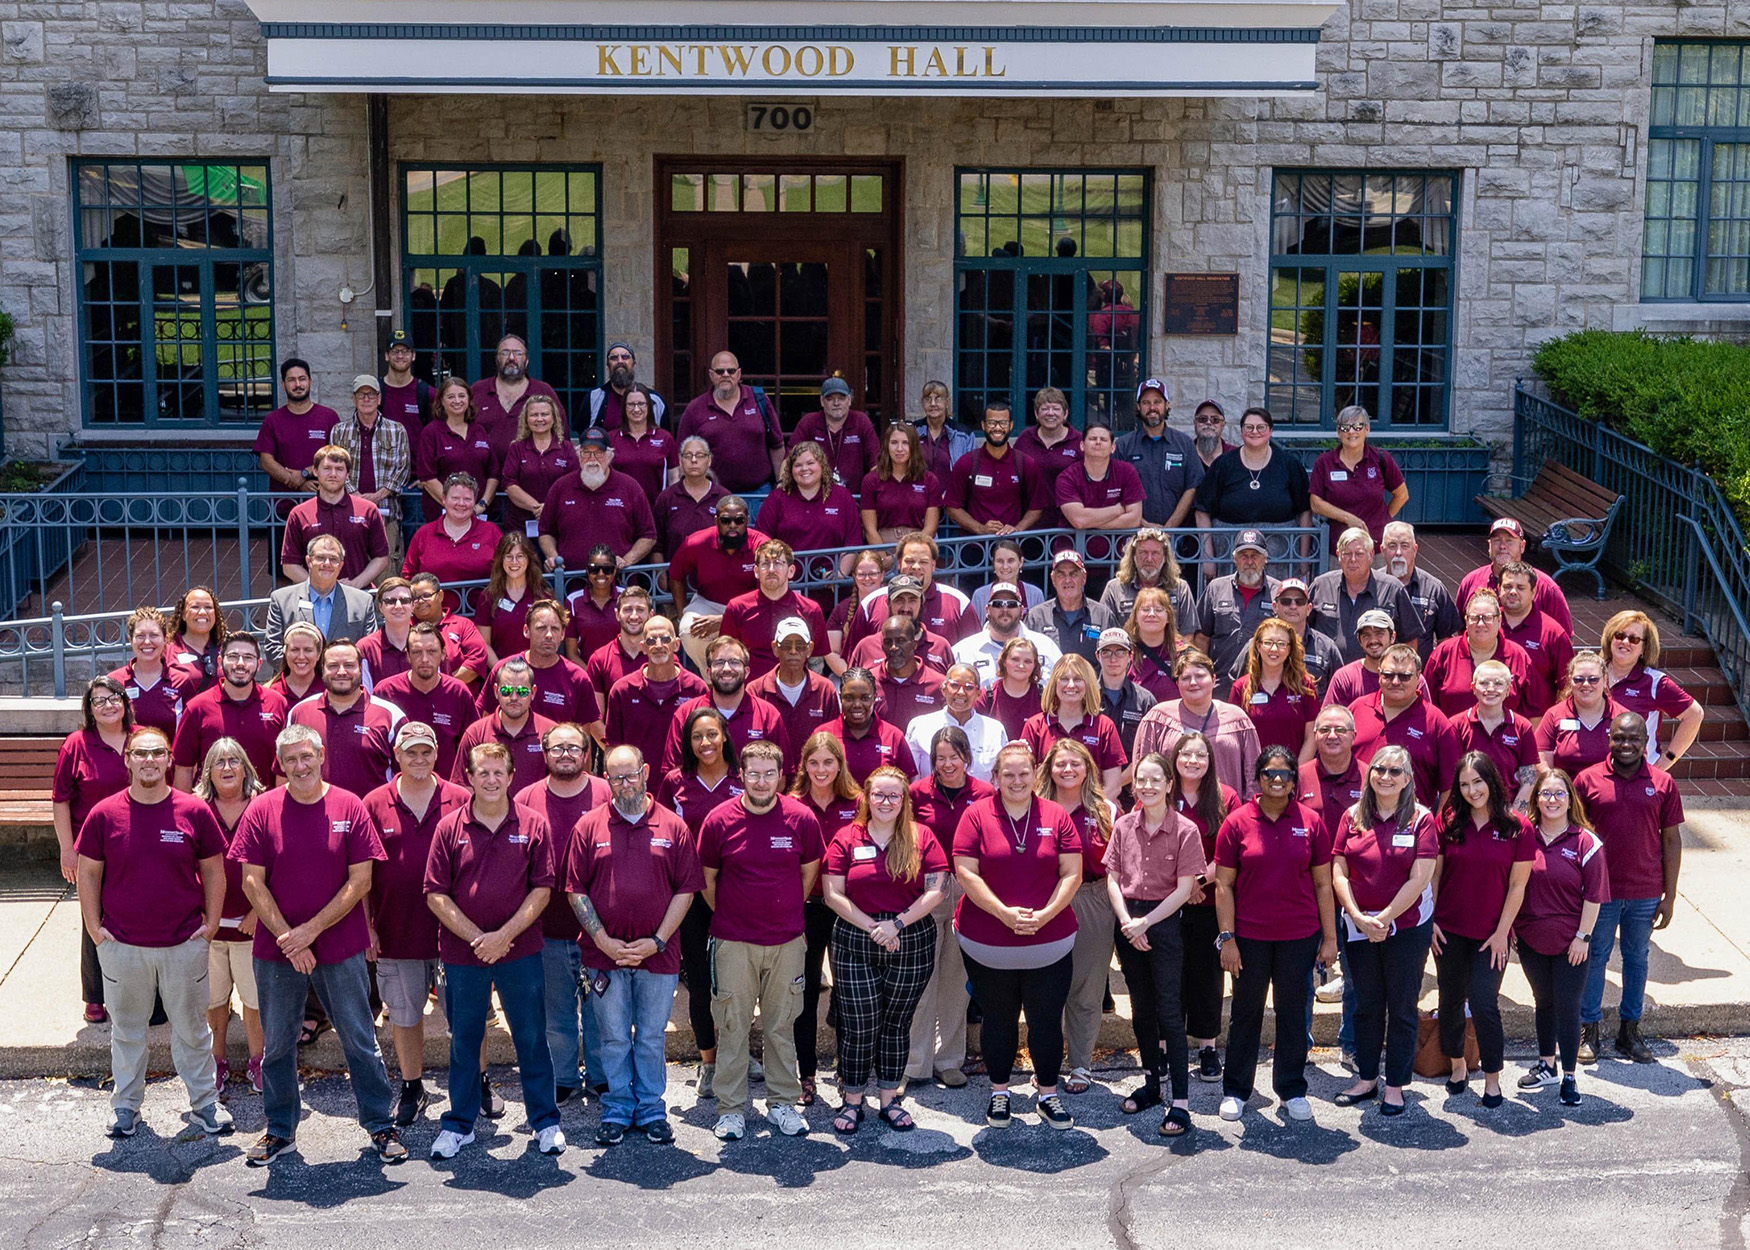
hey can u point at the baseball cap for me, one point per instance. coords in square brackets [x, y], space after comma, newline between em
[1509, 524]
[1373, 618]
[1005, 588]
[835, 386]
[399, 338]
[1250, 540]
[904, 584]
[1069, 555]
[1293, 583]
[414, 731]
[595, 436]
[1210, 403]
[1114, 637]
[792, 627]
[1155, 384]
[367, 382]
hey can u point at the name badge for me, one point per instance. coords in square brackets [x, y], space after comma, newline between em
[1260, 698]
[864, 853]
[133, 692]
[532, 529]
[1569, 724]
[981, 479]
[661, 842]
[1339, 475]
[507, 605]
[1403, 841]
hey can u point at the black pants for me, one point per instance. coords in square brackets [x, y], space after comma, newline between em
[1201, 980]
[1156, 1016]
[876, 992]
[1277, 969]
[696, 968]
[817, 933]
[1388, 981]
[1003, 994]
[1466, 974]
[90, 971]
[1556, 986]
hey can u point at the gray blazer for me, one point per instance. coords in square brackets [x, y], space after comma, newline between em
[355, 615]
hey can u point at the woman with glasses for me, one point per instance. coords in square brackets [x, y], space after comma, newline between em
[1453, 663]
[1355, 484]
[824, 786]
[1275, 909]
[90, 767]
[643, 450]
[1574, 734]
[227, 784]
[884, 875]
[539, 457]
[595, 619]
[513, 583]
[157, 689]
[1553, 931]
[453, 442]
[689, 504]
[1278, 695]
[943, 443]
[900, 494]
[1256, 483]
[1506, 737]
[1383, 872]
[1479, 886]
[867, 572]
[1013, 698]
[1631, 645]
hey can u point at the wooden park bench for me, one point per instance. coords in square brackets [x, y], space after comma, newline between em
[1569, 515]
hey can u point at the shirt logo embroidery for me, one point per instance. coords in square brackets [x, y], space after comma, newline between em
[340, 826]
[783, 844]
[170, 835]
[517, 839]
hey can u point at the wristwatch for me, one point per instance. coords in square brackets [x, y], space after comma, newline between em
[1583, 937]
[1222, 939]
[661, 946]
[898, 924]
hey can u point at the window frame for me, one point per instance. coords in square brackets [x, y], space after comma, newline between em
[145, 259]
[1330, 265]
[1020, 393]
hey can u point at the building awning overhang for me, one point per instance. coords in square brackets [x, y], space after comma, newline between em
[775, 48]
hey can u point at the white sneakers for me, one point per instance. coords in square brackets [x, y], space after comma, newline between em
[448, 1143]
[731, 1127]
[1298, 1109]
[552, 1141]
[786, 1119]
[1231, 1108]
[1330, 992]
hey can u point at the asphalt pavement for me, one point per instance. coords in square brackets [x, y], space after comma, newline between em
[1655, 1156]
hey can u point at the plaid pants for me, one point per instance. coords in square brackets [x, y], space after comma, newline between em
[876, 992]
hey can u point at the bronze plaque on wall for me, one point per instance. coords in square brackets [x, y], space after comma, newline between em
[1202, 303]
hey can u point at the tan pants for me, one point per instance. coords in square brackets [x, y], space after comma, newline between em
[938, 1027]
[1090, 966]
[695, 647]
[133, 976]
[745, 976]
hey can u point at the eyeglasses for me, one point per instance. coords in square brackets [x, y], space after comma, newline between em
[1254, 429]
[1483, 618]
[1333, 729]
[727, 662]
[1385, 676]
[1386, 770]
[107, 700]
[885, 798]
[1560, 796]
[770, 563]
[1622, 635]
[622, 779]
[1349, 427]
[229, 761]
[150, 753]
[564, 748]
[420, 596]
[514, 692]
[511, 353]
[955, 683]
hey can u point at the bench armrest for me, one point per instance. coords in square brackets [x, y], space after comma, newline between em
[1576, 531]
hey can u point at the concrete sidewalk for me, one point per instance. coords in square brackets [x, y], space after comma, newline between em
[1699, 982]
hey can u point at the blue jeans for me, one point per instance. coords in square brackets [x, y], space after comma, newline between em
[467, 1000]
[1346, 1027]
[632, 1015]
[345, 991]
[1635, 915]
[572, 1034]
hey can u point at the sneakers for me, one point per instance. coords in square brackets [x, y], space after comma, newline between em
[266, 1149]
[414, 1101]
[1589, 1043]
[1208, 1064]
[998, 1113]
[552, 1141]
[1232, 1108]
[211, 1119]
[707, 1080]
[125, 1123]
[610, 1134]
[1570, 1091]
[787, 1120]
[731, 1127]
[1541, 1076]
[221, 1074]
[388, 1146]
[491, 1101]
[658, 1132]
[756, 1071]
[1346, 1061]
[1330, 992]
[1298, 1109]
[1053, 1113]
[255, 1073]
[449, 1142]
[1630, 1044]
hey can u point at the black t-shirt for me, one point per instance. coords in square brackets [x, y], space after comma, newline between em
[1226, 492]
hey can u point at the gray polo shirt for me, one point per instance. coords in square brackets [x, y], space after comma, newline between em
[1335, 612]
[1169, 466]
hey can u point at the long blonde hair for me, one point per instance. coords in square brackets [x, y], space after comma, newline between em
[1126, 574]
[1093, 793]
[1294, 674]
[903, 857]
[842, 785]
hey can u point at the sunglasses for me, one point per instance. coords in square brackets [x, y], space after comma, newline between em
[1622, 635]
[1385, 770]
[1292, 601]
[150, 753]
[1384, 676]
[1279, 774]
[602, 570]
[1005, 603]
[1586, 681]
[514, 692]
[724, 373]
[398, 603]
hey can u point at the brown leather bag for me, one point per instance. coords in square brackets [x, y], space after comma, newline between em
[1429, 1061]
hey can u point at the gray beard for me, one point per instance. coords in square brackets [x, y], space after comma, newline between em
[631, 808]
[510, 373]
[1249, 580]
[1208, 445]
[1398, 567]
[594, 478]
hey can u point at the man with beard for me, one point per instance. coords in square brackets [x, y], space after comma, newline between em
[629, 877]
[499, 400]
[515, 726]
[943, 610]
[1374, 632]
[425, 693]
[1166, 459]
[597, 504]
[406, 399]
[747, 445]
[750, 719]
[804, 699]
[1549, 646]
[1323, 657]
[1232, 606]
[382, 455]
[1432, 600]
[236, 708]
[713, 567]
[606, 402]
[562, 689]
[905, 687]
[642, 704]
[754, 616]
[1002, 621]
[1207, 426]
[292, 434]
[621, 655]
[993, 490]
[904, 596]
[565, 797]
[1145, 563]
[1507, 546]
[1340, 596]
[355, 728]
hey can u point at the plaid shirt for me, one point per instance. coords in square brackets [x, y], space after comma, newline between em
[391, 457]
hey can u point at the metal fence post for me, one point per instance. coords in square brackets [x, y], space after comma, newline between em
[1691, 572]
[58, 638]
[243, 537]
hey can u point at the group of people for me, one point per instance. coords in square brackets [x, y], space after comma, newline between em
[964, 801]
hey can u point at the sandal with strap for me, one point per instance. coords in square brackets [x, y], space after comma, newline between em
[849, 1119]
[1141, 1100]
[1078, 1081]
[312, 1029]
[896, 1118]
[1176, 1123]
[809, 1094]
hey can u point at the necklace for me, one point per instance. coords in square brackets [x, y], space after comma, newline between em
[1017, 835]
[1254, 484]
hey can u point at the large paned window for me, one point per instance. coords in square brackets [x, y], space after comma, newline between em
[491, 250]
[1697, 240]
[1051, 289]
[1361, 292]
[175, 292]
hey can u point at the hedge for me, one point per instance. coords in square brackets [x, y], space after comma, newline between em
[1685, 398]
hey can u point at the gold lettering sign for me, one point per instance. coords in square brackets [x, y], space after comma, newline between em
[935, 61]
[776, 60]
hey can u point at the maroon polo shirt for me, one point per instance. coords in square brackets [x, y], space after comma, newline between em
[382, 659]
[881, 746]
[814, 707]
[501, 422]
[237, 904]
[632, 871]
[1631, 815]
[1566, 874]
[1280, 716]
[1009, 712]
[528, 762]
[357, 751]
[159, 706]
[1121, 485]
[405, 924]
[1449, 670]
[151, 854]
[469, 647]
[648, 459]
[294, 440]
[562, 692]
[900, 701]
[1363, 490]
[1650, 692]
[489, 874]
[577, 518]
[940, 813]
[716, 574]
[254, 722]
[534, 470]
[354, 520]
[1380, 861]
[754, 617]
[692, 800]
[851, 452]
[754, 720]
[834, 816]
[945, 612]
[1330, 795]
[1474, 874]
[1550, 649]
[1020, 870]
[1422, 730]
[607, 664]
[401, 403]
[500, 621]
[989, 489]
[758, 861]
[853, 855]
[640, 712]
[1512, 746]
[829, 521]
[464, 559]
[439, 451]
[592, 623]
[897, 503]
[1098, 734]
[1274, 897]
[306, 850]
[562, 814]
[679, 516]
[1575, 747]
[1546, 596]
[741, 440]
[447, 707]
[1051, 462]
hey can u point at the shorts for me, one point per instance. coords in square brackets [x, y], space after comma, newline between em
[404, 985]
[231, 965]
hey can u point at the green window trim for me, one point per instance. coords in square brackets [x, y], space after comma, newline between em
[1695, 241]
[1386, 242]
[175, 298]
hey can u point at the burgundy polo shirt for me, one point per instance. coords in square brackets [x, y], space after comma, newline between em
[640, 712]
[900, 701]
[1098, 734]
[535, 471]
[159, 706]
[405, 924]
[1546, 596]
[1512, 745]
[577, 518]
[448, 707]
[1330, 795]
[1052, 462]
[354, 520]
[562, 812]
[829, 521]
[307, 850]
[592, 623]
[440, 451]
[754, 617]
[1422, 730]
[500, 621]
[989, 489]
[401, 403]
[501, 422]
[1566, 874]
[151, 853]
[528, 762]
[754, 720]
[898, 503]
[1449, 671]
[882, 745]
[940, 813]
[679, 516]
[716, 574]
[692, 800]
[632, 871]
[255, 722]
[758, 860]
[1121, 485]
[87, 771]
[357, 744]
[464, 559]
[1280, 715]
[562, 692]
[1363, 490]
[814, 708]
[1380, 861]
[1021, 871]
[1575, 747]
[741, 441]
[607, 664]
[1474, 876]
[853, 855]
[294, 440]
[647, 460]
[489, 874]
[934, 651]
[850, 452]
[1631, 815]
[1274, 897]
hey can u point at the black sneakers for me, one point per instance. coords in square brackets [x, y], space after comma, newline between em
[414, 1101]
[1570, 1092]
[491, 1101]
[1208, 1064]
[998, 1115]
[1052, 1112]
[1541, 1076]
[266, 1149]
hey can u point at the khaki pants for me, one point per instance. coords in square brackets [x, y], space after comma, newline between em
[1090, 966]
[695, 647]
[938, 1027]
[133, 976]
[744, 976]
